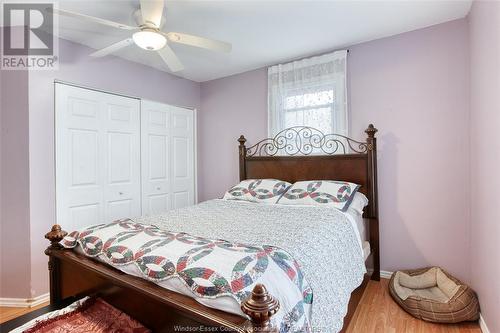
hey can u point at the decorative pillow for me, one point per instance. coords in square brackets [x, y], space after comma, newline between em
[321, 192]
[258, 190]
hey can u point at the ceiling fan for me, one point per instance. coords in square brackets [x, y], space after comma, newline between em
[149, 36]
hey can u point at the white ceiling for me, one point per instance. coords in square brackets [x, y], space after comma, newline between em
[262, 32]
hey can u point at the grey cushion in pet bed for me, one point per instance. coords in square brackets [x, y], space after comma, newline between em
[434, 295]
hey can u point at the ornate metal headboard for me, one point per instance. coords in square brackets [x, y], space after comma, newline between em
[303, 140]
[304, 153]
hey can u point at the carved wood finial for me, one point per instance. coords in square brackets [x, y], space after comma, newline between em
[260, 307]
[371, 130]
[242, 140]
[55, 235]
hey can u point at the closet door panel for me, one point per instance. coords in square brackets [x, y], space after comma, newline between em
[158, 203]
[155, 158]
[97, 156]
[84, 157]
[84, 215]
[119, 209]
[183, 157]
[158, 151]
[84, 190]
[123, 177]
[79, 176]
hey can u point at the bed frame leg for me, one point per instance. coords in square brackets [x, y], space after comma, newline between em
[376, 267]
[260, 307]
[374, 242]
[55, 235]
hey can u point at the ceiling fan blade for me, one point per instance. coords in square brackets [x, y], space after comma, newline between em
[169, 57]
[152, 11]
[206, 43]
[92, 19]
[112, 48]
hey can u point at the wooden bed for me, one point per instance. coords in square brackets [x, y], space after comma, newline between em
[292, 156]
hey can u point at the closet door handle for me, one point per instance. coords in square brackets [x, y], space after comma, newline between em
[120, 193]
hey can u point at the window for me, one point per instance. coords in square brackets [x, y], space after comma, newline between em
[313, 109]
[310, 92]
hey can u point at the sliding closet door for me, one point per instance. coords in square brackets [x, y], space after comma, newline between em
[155, 121]
[122, 181]
[167, 157]
[182, 157]
[97, 157]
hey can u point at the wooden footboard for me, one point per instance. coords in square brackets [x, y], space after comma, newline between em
[162, 310]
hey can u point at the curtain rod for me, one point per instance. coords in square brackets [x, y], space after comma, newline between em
[311, 56]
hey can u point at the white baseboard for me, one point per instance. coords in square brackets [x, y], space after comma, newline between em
[383, 274]
[24, 302]
[482, 324]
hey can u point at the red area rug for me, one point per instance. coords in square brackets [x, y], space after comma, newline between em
[95, 315]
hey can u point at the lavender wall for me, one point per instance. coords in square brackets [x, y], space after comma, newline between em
[110, 73]
[231, 106]
[414, 88]
[484, 21]
[14, 187]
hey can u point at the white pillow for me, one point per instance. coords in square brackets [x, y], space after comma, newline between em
[355, 210]
[258, 190]
[321, 193]
[359, 202]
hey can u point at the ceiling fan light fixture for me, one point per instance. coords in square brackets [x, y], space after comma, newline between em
[149, 40]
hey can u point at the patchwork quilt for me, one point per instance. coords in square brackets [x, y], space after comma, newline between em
[307, 257]
[208, 267]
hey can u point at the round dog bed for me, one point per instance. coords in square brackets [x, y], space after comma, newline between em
[432, 294]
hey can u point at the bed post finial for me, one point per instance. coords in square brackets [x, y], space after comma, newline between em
[55, 235]
[371, 130]
[242, 140]
[243, 155]
[260, 307]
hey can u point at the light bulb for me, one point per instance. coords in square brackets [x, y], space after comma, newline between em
[149, 40]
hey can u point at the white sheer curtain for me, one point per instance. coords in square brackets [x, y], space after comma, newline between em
[309, 92]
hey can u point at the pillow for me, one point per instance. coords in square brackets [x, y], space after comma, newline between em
[358, 203]
[258, 190]
[321, 192]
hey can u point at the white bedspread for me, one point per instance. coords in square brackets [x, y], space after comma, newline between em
[322, 240]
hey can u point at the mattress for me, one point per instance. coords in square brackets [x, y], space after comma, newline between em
[359, 224]
[366, 249]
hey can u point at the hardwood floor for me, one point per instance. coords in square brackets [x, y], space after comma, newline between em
[377, 313]
[8, 313]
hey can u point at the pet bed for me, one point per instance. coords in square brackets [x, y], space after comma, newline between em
[432, 294]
